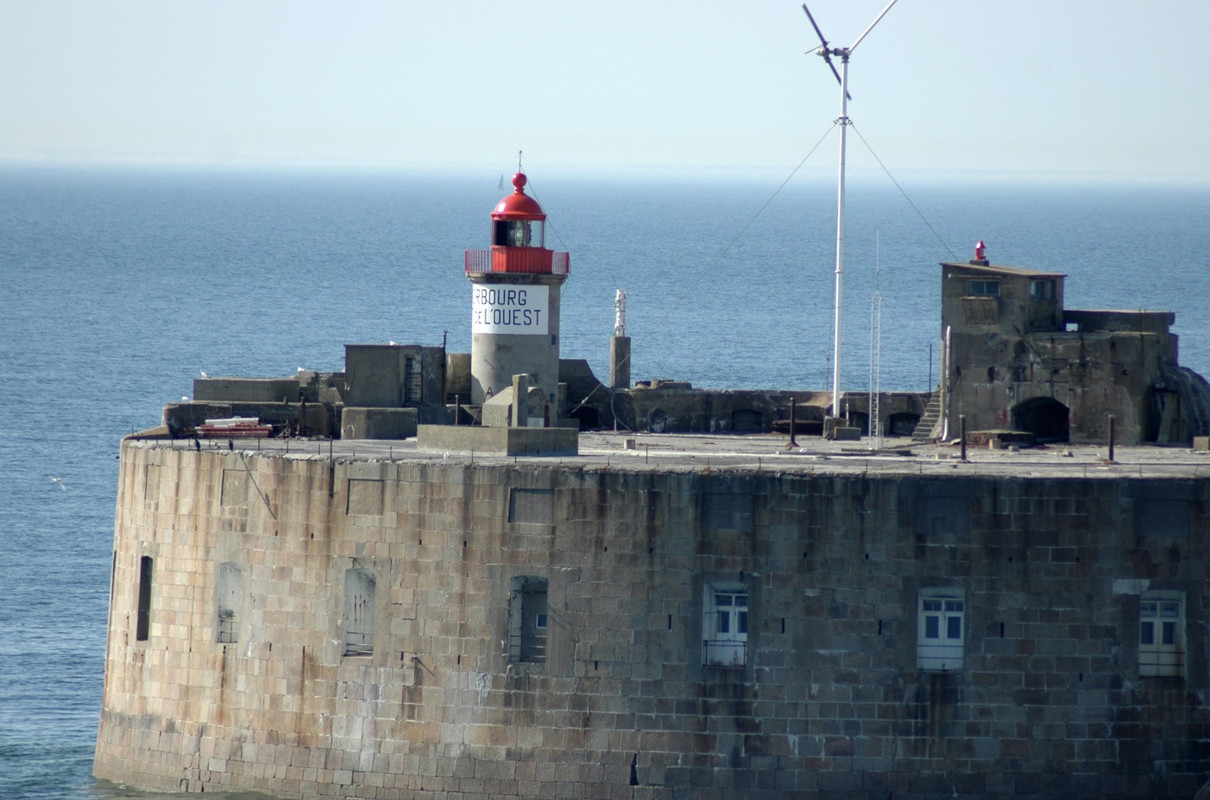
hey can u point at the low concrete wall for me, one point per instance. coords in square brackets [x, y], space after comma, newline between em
[499, 441]
[246, 390]
[314, 419]
[378, 423]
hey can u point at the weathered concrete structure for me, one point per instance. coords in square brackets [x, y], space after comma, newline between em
[1017, 359]
[355, 406]
[671, 619]
[514, 610]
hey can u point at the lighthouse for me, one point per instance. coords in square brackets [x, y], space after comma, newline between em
[515, 306]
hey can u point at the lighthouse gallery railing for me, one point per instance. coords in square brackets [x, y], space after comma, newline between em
[518, 260]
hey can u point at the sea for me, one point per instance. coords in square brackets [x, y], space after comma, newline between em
[121, 285]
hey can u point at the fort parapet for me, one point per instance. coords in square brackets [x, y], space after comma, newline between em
[657, 617]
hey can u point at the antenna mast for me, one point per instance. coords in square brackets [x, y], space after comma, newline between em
[842, 77]
[874, 407]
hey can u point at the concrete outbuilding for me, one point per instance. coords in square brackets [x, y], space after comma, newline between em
[1016, 359]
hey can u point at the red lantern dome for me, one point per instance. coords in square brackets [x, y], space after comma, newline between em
[518, 238]
[518, 205]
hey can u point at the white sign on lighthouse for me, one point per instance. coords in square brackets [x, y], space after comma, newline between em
[505, 308]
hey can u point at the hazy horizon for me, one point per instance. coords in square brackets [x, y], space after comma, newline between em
[1079, 91]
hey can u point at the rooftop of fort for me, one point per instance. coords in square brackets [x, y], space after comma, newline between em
[984, 455]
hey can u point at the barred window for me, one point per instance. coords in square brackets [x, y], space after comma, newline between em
[1161, 635]
[527, 620]
[940, 635]
[360, 587]
[725, 625]
[230, 591]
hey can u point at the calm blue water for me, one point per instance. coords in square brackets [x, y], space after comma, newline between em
[119, 287]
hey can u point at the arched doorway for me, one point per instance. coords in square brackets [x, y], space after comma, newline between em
[1045, 417]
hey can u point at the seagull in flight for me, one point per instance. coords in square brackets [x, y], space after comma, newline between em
[58, 480]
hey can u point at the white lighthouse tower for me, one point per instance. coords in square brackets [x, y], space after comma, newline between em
[515, 303]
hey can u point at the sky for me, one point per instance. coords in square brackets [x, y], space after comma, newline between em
[1056, 89]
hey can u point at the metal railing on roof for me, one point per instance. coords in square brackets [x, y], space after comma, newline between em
[521, 260]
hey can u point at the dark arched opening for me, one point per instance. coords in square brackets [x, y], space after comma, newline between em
[1045, 417]
[746, 420]
[587, 417]
[902, 424]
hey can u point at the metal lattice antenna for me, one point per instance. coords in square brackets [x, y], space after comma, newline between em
[842, 77]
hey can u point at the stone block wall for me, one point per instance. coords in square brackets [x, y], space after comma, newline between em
[827, 700]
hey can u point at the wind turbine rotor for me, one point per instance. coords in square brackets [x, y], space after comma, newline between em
[826, 52]
[815, 25]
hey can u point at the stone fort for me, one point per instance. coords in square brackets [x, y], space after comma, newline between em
[418, 578]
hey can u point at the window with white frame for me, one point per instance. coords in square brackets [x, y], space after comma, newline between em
[941, 630]
[1161, 635]
[725, 625]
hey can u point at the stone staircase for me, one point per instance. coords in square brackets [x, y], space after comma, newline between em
[932, 415]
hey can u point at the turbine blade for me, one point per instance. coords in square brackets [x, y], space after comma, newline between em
[818, 32]
[877, 19]
[835, 72]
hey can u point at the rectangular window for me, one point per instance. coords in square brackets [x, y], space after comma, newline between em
[143, 621]
[1042, 289]
[1161, 635]
[527, 620]
[725, 625]
[360, 587]
[230, 590]
[413, 380]
[981, 288]
[939, 638]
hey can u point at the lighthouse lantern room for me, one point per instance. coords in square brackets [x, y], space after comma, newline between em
[515, 303]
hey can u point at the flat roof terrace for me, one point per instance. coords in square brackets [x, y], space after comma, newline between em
[664, 452]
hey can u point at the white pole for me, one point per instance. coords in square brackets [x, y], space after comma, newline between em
[844, 125]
